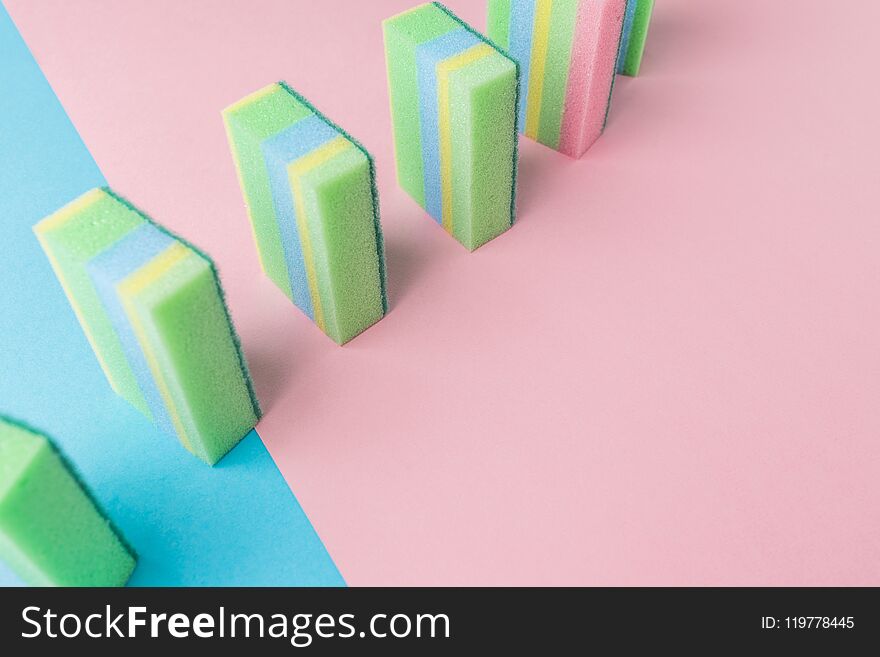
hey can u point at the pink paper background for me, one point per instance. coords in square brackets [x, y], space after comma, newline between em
[667, 373]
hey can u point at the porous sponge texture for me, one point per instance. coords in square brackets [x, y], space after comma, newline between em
[498, 22]
[484, 133]
[403, 34]
[71, 237]
[548, 106]
[334, 192]
[179, 315]
[325, 211]
[249, 122]
[51, 531]
[127, 276]
[592, 73]
[567, 53]
[635, 34]
[445, 80]
[539, 35]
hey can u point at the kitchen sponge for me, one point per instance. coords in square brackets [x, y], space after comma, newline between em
[311, 196]
[453, 106]
[567, 51]
[635, 33]
[51, 531]
[152, 307]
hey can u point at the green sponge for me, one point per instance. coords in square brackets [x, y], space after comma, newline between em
[51, 531]
[635, 32]
[153, 309]
[312, 200]
[453, 107]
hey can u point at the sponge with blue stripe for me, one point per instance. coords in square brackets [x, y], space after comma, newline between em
[453, 107]
[152, 307]
[635, 33]
[311, 196]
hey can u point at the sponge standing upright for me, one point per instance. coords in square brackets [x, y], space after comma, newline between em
[635, 33]
[152, 307]
[567, 51]
[52, 533]
[311, 197]
[453, 106]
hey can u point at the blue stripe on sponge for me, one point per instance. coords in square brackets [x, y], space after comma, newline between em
[628, 20]
[280, 150]
[522, 26]
[428, 55]
[106, 270]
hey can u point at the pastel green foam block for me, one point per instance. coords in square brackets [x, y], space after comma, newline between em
[152, 308]
[635, 33]
[453, 106]
[311, 196]
[51, 531]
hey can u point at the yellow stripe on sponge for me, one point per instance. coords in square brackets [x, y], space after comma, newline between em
[540, 44]
[444, 69]
[252, 97]
[54, 222]
[128, 289]
[64, 215]
[296, 170]
[236, 159]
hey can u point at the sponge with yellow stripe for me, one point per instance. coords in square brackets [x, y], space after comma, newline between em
[52, 533]
[567, 51]
[453, 108]
[312, 200]
[153, 310]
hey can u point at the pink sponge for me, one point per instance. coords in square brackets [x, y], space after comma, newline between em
[591, 75]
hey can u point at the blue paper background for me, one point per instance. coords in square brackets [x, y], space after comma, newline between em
[235, 524]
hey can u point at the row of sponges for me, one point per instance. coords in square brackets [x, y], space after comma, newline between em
[152, 306]
[458, 99]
